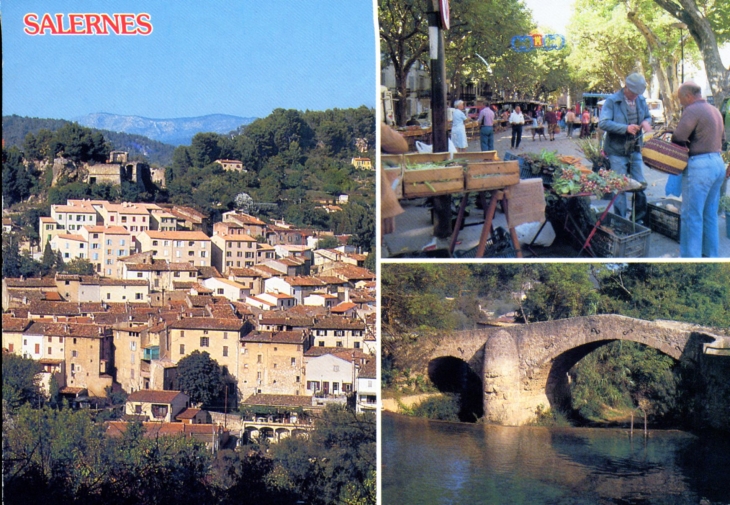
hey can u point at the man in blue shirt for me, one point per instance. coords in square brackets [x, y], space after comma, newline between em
[624, 118]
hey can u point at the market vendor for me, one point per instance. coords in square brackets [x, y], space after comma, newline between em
[623, 117]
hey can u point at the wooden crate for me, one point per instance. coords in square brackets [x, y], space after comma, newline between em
[492, 175]
[477, 156]
[433, 182]
[390, 175]
[413, 158]
[390, 161]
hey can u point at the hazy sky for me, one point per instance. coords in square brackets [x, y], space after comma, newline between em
[552, 13]
[243, 58]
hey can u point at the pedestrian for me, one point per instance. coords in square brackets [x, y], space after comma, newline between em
[700, 128]
[517, 120]
[561, 118]
[486, 128]
[623, 117]
[585, 124]
[458, 128]
[552, 121]
[570, 122]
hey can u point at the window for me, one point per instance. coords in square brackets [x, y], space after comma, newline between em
[159, 411]
[182, 348]
[191, 243]
[50, 351]
[298, 379]
[74, 354]
[138, 296]
[225, 350]
[219, 291]
[11, 347]
[228, 253]
[336, 368]
[204, 342]
[335, 387]
[121, 242]
[50, 340]
[258, 375]
[182, 333]
[139, 275]
[293, 362]
[339, 333]
[165, 243]
[339, 343]
[225, 335]
[154, 242]
[191, 253]
[259, 359]
[108, 241]
[321, 343]
[138, 409]
[108, 296]
[95, 256]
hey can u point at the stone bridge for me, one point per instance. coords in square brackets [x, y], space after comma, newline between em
[520, 368]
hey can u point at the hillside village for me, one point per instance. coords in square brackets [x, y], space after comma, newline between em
[293, 324]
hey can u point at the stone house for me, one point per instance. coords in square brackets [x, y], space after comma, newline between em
[156, 405]
[176, 246]
[272, 363]
[336, 331]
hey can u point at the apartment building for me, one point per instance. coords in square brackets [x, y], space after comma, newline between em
[233, 251]
[337, 331]
[176, 246]
[272, 363]
[105, 245]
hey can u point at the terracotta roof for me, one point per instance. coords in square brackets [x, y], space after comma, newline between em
[304, 281]
[331, 279]
[236, 237]
[231, 283]
[109, 230]
[342, 353]
[306, 310]
[281, 337]
[351, 272]
[281, 319]
[201, 432]
[188, 414]
[208, 272]
[183, 285]
[267, 270]
[108, 281]
[20, 312]
[243, 272]
[176, 235]
[154, 396]
[66, 330]
[53, 296]
[14, 324]
[368, 370]
[161, 266]
[339, 323]
[67, 236]
[125, 208]
[247, 219]
[68, 390]
[343, 307]
[279, 400]
[207, 323]
[32, 282]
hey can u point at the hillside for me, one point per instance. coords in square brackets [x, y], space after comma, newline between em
[175, 131]
[15, 128]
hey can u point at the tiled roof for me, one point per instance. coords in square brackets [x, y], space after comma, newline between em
[67, 236]
[208, 272]
[108, 281]
[368, 370]
[281, 319]
[161, 266]
[279, 400]
[247, 219]
[339, 323]
[346, 354]
[154, 396]
[14, 324]
[188, 414]
[32, 282]
[351, 272]
[331, 279]
[267, 271]
[176, 235]
[281, 337]
[207, 323]
[343, 307]
[109, 230]
[66, 330]
[304, 281]
[244, 272]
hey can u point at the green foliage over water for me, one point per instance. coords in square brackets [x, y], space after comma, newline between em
[444, 408]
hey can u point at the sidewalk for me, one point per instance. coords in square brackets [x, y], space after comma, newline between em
[414, 229]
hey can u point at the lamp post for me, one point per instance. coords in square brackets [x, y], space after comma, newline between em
[681, 27]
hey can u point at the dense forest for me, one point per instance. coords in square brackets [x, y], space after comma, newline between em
[292, 161]
[422, 301]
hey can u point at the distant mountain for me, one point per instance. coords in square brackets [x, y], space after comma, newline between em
[177, 131]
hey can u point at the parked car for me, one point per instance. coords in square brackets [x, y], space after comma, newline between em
[656, 109]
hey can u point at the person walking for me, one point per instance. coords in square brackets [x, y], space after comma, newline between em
[458, 127]
[585, 124]
[551, 118]
[517, 120]
[570, 122]
[623, 117]
[486, 128]
[700, 128]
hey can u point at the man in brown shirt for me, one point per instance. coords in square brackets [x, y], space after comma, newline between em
[700, 129]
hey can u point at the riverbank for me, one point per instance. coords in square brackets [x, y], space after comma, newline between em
[397, 403]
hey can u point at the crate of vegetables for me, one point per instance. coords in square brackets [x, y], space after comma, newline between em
[477, 156]
[490, 175]
[426, 177]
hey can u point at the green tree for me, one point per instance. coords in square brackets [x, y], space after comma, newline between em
[11, 258]
[200, 377]
[48, 262]
[328, 242]
[20, 381]
[79, 266]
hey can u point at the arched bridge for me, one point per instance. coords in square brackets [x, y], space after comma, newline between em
[524, 366]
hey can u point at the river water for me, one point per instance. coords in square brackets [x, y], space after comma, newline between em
[432, 462]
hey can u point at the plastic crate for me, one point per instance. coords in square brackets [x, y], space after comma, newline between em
[664, 221]
[633, 241]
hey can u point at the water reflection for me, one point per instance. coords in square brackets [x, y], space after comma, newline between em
[428, 462]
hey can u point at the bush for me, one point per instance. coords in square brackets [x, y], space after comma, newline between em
[444, 408]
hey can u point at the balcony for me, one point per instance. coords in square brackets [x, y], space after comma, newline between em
[151, 352]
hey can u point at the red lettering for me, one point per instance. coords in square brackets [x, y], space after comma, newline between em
[127, 21]
[144, 22]
[110, 22]
[93, 22]
[60, 30]
[75, 22]
[47, 24]
[31, 24]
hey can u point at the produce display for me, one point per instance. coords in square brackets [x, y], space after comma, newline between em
[569, 180]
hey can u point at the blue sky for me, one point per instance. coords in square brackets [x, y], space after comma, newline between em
[243, 58]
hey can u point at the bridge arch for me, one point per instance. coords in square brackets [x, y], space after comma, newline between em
[454, 375]
[526, 366]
